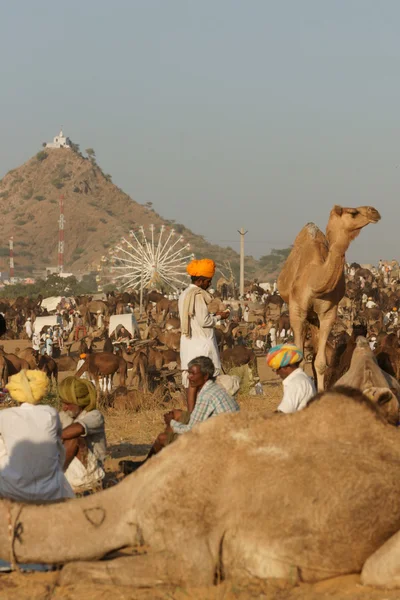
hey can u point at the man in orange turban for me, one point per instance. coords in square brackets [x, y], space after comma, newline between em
[204, 268]
[197, 324]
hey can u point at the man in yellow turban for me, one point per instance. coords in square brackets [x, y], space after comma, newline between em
[31, 452]
[298, 388]
[197, 324]
[83, 434]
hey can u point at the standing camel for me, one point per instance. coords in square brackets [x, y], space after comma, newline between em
[312, 278]
[104, 364]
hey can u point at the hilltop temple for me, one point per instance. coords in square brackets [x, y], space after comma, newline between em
[60, 141]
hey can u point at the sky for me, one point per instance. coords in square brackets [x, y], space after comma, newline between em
[223, 113]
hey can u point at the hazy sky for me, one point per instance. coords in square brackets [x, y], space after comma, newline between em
[223, 113]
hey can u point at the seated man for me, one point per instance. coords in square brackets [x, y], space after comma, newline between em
[298, 388]
[211, 400]
[31, 452]
[83, 434]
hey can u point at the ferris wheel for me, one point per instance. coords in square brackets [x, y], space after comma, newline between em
[158, 259]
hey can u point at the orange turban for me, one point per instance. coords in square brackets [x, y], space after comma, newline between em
[201, 268]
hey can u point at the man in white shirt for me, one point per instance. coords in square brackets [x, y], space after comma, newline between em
[370, 303]
[298, 388]
[31, 452]
[197, 324]
[28, 327]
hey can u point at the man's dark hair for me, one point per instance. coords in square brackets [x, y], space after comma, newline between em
[205, 365]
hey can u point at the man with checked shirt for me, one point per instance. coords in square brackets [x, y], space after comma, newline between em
[211, 400]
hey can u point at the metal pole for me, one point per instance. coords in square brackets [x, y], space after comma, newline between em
[241, 284]
[61, 225]
[11, 245]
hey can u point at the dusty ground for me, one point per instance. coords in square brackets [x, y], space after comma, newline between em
[129, 437]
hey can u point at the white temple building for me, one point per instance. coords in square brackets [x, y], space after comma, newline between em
[60, 141]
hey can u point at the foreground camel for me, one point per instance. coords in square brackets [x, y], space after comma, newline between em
[312, 278]
[307, 496]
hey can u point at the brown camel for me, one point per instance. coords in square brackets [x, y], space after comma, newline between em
[312, 278]
[170, 338]
[137, 363]
[14, 363]
[305, 496]
[104, 364]
[30, 355]
[388, 354]
[49, 366]
[237, 356]
[66, 363]
[366, 375]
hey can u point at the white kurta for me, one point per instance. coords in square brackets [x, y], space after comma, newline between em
[203, 341]
[32, 454]
[298, 389]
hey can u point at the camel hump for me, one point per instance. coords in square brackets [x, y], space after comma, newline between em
[310, 232]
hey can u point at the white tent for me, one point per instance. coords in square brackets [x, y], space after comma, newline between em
[128, 321]
[50, 304]
[41, 322]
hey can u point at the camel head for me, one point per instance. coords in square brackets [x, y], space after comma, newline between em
[346, 223]
[366, 375]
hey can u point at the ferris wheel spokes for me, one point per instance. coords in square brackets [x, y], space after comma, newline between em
[156, 260]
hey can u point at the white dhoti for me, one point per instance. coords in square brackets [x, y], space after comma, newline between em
[83, 478]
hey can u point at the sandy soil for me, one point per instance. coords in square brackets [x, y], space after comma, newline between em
[129, 437]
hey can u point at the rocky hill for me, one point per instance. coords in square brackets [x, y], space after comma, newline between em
[97, 214]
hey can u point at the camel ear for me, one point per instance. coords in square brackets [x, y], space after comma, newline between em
[338, 210]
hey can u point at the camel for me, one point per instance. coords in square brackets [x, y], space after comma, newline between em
[388, 354]
[98, 305]
[66, 363]
[30, 355]
[104, 364]
[305, 496]
[50, 367]
[237, 356]
[312, 278]
[225, 337]
[14, 363]
[165, 306]
[170, 338]
[137, 363]
[365, 374]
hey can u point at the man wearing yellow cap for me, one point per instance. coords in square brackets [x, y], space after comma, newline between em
[298, 388]
[31, 452]
[197, 324]
[83, 434]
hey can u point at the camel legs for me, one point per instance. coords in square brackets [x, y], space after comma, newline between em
[326, 322]
[142, 571]
[297, 323]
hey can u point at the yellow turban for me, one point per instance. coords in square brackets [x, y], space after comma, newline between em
[28, 386]
[284, 355]
[78, 391]
[201, 268]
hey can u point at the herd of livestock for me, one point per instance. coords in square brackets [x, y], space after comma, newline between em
[106, 336]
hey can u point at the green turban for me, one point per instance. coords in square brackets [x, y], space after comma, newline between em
[78, 391]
